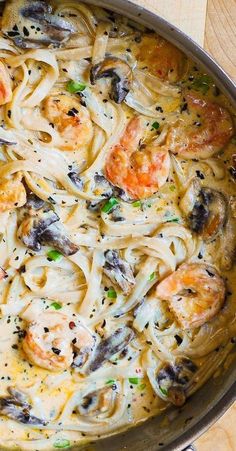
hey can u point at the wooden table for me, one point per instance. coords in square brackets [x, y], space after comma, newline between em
[212, 23]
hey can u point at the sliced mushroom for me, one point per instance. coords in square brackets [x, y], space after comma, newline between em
[55, 236]
[120, 73]
[110, 346]
[31, 24]
[34, 201]
[44, 227]
[76, 179]
[98, 402]
[102, 188]
[116, 215]
[32, 228]
[119, 192]
[119, 271]
[16, 407]
[173, 380]
[205, 208]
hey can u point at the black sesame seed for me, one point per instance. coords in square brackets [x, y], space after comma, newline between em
[13, 34]
[200, 175]
[25, 31]
[56, 351]
[211, 274]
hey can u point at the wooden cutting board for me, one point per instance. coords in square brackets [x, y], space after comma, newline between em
[212, 24]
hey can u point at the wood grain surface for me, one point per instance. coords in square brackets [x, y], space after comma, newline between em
[220, 34]
[188, 15]
[212, 24]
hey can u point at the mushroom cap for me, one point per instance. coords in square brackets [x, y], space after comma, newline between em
[120, 73]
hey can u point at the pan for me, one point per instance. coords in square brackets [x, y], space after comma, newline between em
[181, 426]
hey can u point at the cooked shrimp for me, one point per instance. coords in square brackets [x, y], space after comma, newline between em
[195, 293]
[5, 85]
[140, 171]
[161, 58]
[71, 119]
[205, 136]
[50, 339]
[12, 193]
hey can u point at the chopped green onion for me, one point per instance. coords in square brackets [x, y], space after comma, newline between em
[152, 276]
[56, 306]
[56, 256]
[233, 140]
[111, 293]
[134, 380]
[75, 86]
[172, 187]
[142, 387]
[109, 205]
[61, 443]
[163, 391]
[173, 220]
[137, 203]
[202, 83]
[155, 125]
[110, 381]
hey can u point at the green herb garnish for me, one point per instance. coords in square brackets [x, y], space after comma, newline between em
[111, 293]
[202, 83]
[137, 203]
[54, 255]
[109, 205]
[61, 443]
[172, 187]
[155, 125]
[152, 276]
[110, 382]
[56, 306]
[173, 220]
[134, 380]
[163, 391]
[75, 86]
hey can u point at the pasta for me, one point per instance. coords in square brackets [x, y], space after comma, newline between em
[117, 225]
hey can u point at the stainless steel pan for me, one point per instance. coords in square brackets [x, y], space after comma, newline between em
[215, 397]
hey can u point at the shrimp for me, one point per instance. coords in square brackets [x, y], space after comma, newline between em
[204, 137]
[195, 293]
[161, 58]
[50, 341]
[140, 171]
[5, 85]
[71, 119]
[12, 193]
